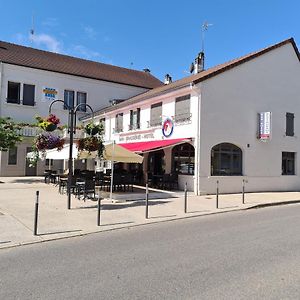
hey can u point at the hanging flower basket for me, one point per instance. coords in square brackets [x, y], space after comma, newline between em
[90, 144]
[49, 124]
[48, 141]
[93, 129]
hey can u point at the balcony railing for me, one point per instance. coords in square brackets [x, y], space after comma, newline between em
[183, 118]
[154, 122]
[134, 126]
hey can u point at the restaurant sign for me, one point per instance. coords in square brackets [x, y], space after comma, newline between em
[264, 126]
[168, 127]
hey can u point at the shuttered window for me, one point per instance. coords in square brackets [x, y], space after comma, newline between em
[28, 94]
[119, 123]
[81, 99]
[12, 156]
[288, 163]
[182, 108]
[289, 124]
[68, 99]
[156, 114]
[135, 119]
[13, 92]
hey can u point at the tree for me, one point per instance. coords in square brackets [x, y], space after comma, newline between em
[9, 134]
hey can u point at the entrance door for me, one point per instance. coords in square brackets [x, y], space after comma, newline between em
[29, 171]
[156, 162]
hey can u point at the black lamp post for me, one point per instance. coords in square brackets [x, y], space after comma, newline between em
[71, 130]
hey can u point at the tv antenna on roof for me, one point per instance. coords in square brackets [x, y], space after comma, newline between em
[32, 30]
[205, 26]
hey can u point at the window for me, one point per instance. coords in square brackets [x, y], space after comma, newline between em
[12, 156]
[289, 124]
[68, 99]
[135, 119]
[81, 99]
[288, 163]
[156, 114]
[184, 159]
[49, 162]
[226, 160]
[28, 94]
[102, 122]
[13, 92]
[182, 109]
[119, 123]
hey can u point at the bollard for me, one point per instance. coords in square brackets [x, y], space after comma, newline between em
[147, 201]
[36, 213]
[99, 210]
[217, 195]
[243, 192]
[185, 198]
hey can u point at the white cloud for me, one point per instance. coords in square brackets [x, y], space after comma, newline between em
[84, 52]
[90, 32]
[50, 22]
[46, 40]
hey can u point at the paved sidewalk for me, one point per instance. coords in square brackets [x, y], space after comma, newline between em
[17, 200]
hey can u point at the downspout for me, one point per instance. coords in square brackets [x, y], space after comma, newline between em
[197, 139]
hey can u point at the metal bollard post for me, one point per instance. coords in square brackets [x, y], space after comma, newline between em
[185, 198]
[243, 192]
[147, 201]
[36, 213]
[99, 210]
[217, 195]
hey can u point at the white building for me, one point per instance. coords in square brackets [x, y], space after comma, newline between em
[31, 79]
[236, 121]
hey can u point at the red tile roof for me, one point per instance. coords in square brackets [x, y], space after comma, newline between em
[44, 60]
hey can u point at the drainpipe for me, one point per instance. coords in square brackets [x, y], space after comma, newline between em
[197, 139]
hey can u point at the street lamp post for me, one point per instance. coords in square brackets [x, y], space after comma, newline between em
[71, 130]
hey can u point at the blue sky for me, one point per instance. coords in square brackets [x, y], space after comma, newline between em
[164, 36]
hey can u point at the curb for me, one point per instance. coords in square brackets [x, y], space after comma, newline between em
[274, 204]
[150, 223]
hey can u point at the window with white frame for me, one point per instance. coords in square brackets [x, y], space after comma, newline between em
[68, 99]
[135, 119]
[28, 94]
[81, 99]
[156, 114]
[119, 122]
[13, 92]
[12, 156]
[183, 108]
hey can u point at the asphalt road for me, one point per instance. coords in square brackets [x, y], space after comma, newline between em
[240, 255]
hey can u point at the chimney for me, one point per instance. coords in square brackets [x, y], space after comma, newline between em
[168, 79]
[199, 63]
[146, 70]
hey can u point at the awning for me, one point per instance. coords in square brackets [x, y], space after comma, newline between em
[115, 153]
[153, 145]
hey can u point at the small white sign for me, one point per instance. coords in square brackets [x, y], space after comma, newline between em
[265, 125]
[49, 94]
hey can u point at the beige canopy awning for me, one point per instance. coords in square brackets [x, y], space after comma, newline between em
[115, 153]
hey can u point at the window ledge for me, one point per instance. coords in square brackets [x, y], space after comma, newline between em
[21, 105]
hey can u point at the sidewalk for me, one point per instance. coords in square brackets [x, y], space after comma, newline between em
[17, 200]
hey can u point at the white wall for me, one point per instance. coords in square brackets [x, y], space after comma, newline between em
[98, 92]
[229, 108]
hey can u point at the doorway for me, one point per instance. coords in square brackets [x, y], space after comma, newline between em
[156, 162]
[29, 170]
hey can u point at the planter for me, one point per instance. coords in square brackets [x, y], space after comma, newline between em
[50, 127]
[90, 144]
[92, 129]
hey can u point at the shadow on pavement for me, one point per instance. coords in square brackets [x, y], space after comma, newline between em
[57, 232]
[121, 223]
[108, 206]
[169, 216]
